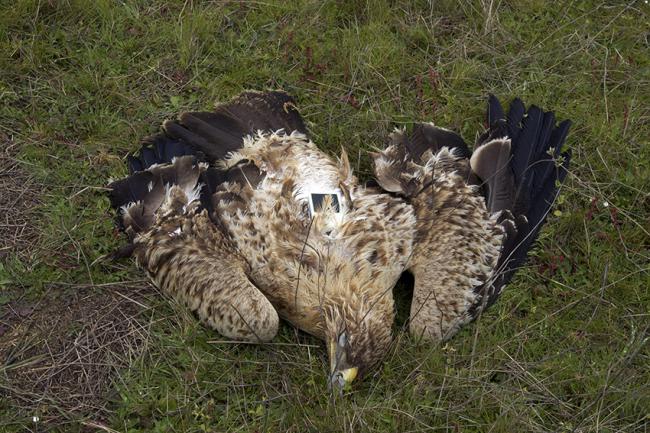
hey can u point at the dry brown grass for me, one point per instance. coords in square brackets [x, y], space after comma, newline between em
[19, 196]
[62, 353]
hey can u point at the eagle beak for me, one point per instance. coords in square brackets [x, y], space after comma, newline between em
[341, 376]
[342, 380]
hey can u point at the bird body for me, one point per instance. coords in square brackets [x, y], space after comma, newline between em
[300, 261]
[238, 214]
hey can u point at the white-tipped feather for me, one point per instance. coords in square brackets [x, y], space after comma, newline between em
[194, 194]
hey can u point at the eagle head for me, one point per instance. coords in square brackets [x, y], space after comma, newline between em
[357, 332]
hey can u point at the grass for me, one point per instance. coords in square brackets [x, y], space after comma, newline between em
[564, 350]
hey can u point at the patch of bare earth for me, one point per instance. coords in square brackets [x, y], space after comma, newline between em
[19, 196]
[60, 357]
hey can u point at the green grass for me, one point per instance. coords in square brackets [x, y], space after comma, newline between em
[565, 348]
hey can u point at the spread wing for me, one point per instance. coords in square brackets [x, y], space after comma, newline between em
[477, 214]
[211, 135]
[186, 254]
[167, 205]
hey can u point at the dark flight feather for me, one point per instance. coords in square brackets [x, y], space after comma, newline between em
[494, 111]
[208, 137]
[426, 136]
[491, 163]
[138, 196]
[514, 118]
[130, 189]
[395, 165]
[522, 177]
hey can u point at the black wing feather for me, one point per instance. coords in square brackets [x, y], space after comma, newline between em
[515, 116]
[207, 137]
[537, 167]
[210, 136]
[426, 136]
[429, 137]
[494, 111]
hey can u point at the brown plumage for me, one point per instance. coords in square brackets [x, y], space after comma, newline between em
[221, 212]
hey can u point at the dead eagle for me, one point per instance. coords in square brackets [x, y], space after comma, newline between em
[240, 216]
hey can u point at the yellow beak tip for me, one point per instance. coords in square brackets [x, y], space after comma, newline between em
[350, 374]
